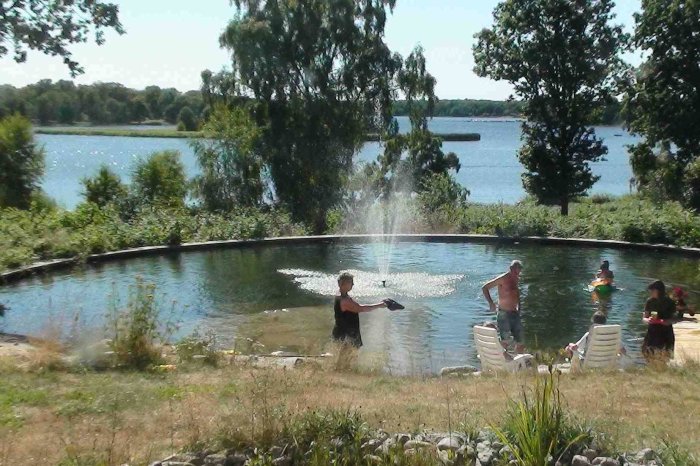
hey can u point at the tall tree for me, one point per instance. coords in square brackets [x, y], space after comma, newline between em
[316, 71]
[21, 162]
[663, 105]
[563, 59]
[50, 26]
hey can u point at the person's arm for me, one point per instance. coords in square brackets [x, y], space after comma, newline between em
[349, 305]
[646, 316]
[486, 289]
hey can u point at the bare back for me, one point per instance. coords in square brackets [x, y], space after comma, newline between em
[508, 291]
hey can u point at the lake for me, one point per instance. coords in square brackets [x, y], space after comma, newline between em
[229, 292]
[490, 168]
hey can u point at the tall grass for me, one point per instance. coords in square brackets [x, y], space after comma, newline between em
[537, 428]
[136, 331]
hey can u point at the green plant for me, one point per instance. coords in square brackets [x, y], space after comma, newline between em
[135, 331]
[21, 162]
[103, 188]
[160, 179]
[198, 347]
[537, 428]
[673, 454]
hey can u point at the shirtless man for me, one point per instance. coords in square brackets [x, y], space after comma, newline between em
[508, 305]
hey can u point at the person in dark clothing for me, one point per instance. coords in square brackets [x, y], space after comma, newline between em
[347, 313]
[659, 315]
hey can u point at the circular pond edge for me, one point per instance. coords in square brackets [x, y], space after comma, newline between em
[47, 266]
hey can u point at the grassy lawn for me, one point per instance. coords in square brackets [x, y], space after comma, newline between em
[74, 417]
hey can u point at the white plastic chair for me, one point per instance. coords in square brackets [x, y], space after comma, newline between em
[602, 349]
[492, 354]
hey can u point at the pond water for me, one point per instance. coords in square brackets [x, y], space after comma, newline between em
[490, 168]
[228, 291]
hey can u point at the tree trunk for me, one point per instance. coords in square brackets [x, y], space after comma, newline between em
[565, 207]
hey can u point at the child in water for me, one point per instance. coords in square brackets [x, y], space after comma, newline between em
[605, 273]
[679, 295]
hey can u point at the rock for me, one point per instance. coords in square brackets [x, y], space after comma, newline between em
[580, 460]
[388, 445]
[216, 460]
[401, 439]
[449, 458]
[645, 455]
[417, 445]
[276, 451]
[372, 459]
[497, 445]
[606, 461]
[590, 454]
[486, 435]
[467, 451]
[191, 458]
[457, 370]
[371, 445]
[282, 461]
[484, 453]
[236, 459]
[449, 443]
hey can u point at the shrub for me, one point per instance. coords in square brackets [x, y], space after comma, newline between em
[104, 188]
[198, 347]
[21, 162]
[136, 331]
[160, 179]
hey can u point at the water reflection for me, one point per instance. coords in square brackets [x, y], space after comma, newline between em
[438, 283]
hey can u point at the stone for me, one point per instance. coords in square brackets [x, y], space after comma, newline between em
[497, 445]
[191, 458]
[467, 452]
[388, 445]
[282, 461]
[580, 460]
[417, 445]
[484, 453]
[216, 460]
[236, 459]
[401, 439]
[449, 443]
[371, 445]
[606, 461]
[449, 458]
[590, 453]
[645, 455]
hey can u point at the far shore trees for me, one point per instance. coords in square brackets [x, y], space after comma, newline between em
[21, 162]
[664, 103]
[51, 26]
[562, 58]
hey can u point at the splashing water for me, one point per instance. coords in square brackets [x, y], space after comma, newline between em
[411, 285]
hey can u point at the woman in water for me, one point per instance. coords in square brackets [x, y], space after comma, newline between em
[659, 315]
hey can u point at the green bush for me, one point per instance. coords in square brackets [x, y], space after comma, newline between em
[21, 162]
[160, 179]
[198, 347]
[104, 188]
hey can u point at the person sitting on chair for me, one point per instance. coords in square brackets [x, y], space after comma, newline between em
[599, 318]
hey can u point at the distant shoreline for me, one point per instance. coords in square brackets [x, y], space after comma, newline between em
[172, 133]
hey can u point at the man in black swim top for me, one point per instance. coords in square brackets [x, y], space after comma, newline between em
[346, 309]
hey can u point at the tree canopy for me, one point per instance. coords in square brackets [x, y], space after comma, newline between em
[663, 104]
[317, 72]
[563, 59]
[51, 26]
[21, 162]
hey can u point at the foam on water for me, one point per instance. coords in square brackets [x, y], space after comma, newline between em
[369, 284]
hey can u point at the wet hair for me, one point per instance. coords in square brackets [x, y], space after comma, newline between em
[489, 325]
[658, 285]
[599, 318]
[605, 265]
[345, 277]
[516, 263]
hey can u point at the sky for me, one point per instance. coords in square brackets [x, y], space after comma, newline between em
[169, 42]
